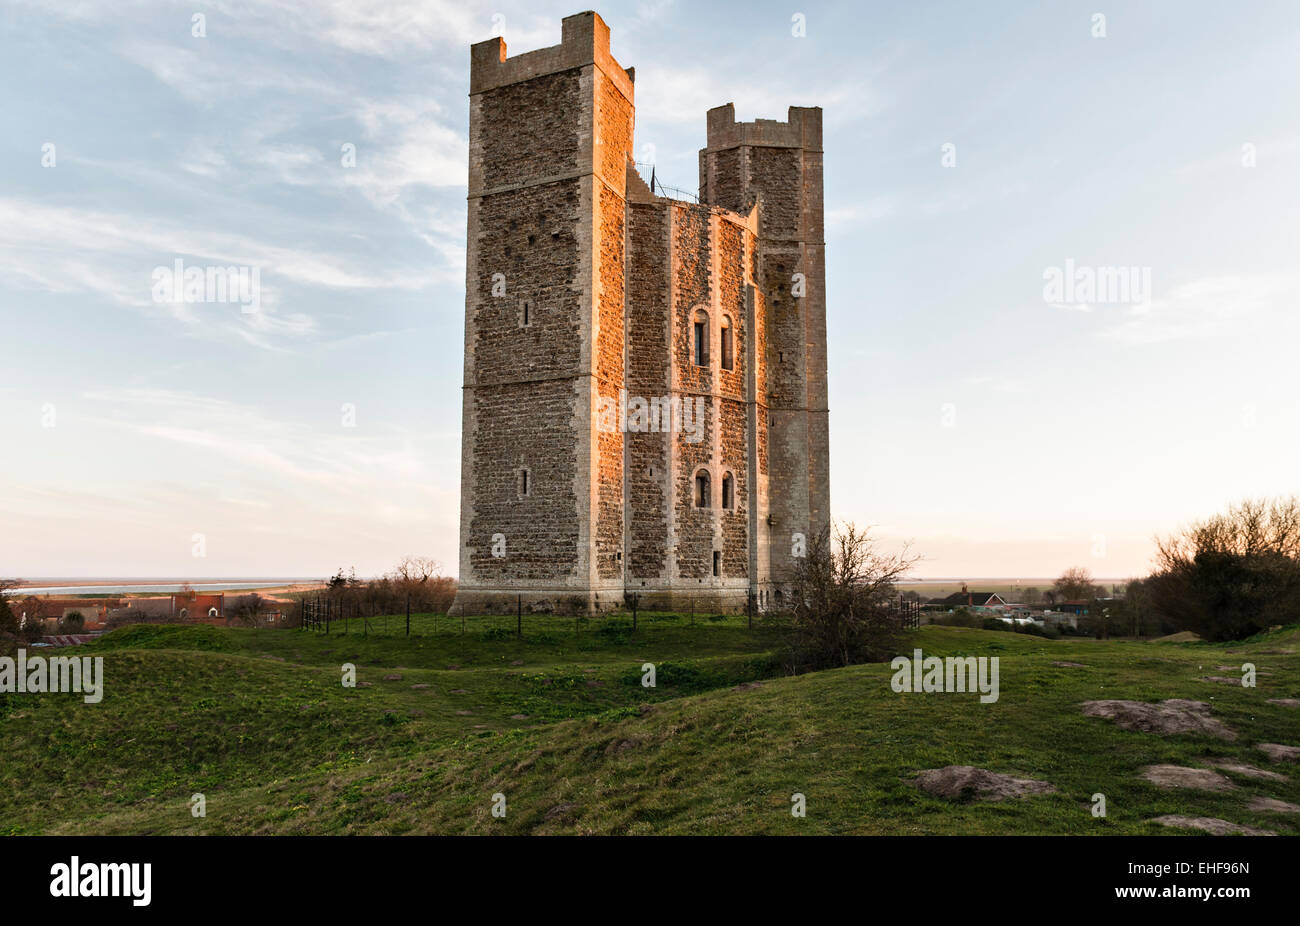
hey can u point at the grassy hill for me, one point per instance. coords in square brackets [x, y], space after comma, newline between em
[560, 724]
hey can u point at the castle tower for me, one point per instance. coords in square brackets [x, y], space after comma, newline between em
[541, 488]
[778, 165]
[644, 403]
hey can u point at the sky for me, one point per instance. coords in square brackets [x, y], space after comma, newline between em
[974, 153]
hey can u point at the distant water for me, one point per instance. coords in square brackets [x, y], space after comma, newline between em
[155, 588]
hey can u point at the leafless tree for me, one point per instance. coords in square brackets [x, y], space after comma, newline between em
[842, 590]
[1074, 584]
[8, 619]
[1233, 574]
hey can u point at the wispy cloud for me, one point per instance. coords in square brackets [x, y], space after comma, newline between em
[1213, 307]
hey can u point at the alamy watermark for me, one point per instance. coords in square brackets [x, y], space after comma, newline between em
[1082, 286]
[951, 674]
[40, 675]
[241, 285]
[76, 878]
[640, 415]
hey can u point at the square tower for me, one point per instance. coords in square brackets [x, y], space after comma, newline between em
[778, 166]
[644, 403]
[550, 137]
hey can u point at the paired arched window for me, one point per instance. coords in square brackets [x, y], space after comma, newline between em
[703, 496]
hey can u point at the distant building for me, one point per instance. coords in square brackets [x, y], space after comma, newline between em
[52, 611]
[142, 609]
[967, 599]
[195, 608]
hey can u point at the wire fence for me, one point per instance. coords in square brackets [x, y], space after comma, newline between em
[331, 614]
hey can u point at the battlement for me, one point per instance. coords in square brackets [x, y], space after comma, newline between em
[802, 129]
[584, 40]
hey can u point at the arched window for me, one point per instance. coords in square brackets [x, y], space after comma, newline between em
[728, 491]
[702, 493]
[185, 613]
[212, 612]
[727, 351]
[701, 339]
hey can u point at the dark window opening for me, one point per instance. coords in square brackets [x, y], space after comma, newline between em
[727, 350]
[701, 341]
[728, 491]
[717, 562]
[701, 490]
[524, 486]
[532, 239]
[526, 313]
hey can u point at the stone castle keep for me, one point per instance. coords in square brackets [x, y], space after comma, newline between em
[645, 378]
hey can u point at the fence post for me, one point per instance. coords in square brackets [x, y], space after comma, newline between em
[636, 599]
[519, 615]
[408, 614]
[749, 608]
[462, 618]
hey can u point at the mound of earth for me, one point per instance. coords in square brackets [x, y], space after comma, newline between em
[1176, 715]
[1279, 753]
[1243, 768]
[967, 781]
[1185, 636]
[1272, 805]
[1211, 825]
[1180, 776]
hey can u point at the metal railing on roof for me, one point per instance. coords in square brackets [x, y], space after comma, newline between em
[659, 188]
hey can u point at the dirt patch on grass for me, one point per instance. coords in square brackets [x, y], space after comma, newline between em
[1221, 679]
[1245, 769]
[1212, 825]
[1180, 776]
[1279, 753]
[1272, 805]
[560, 810]
[748, 686]
[1069, 665]
[966, 782]
[1285, 702]
[616, 747]
[1176, 715]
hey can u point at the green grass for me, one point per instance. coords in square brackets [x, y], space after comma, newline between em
[259, 723]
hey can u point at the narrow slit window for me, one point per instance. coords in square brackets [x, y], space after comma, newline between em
[525, 483]
[728, 492]
[717, 562]
[727, 350]
[701, 489]
[701, 345]
[526, 313]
